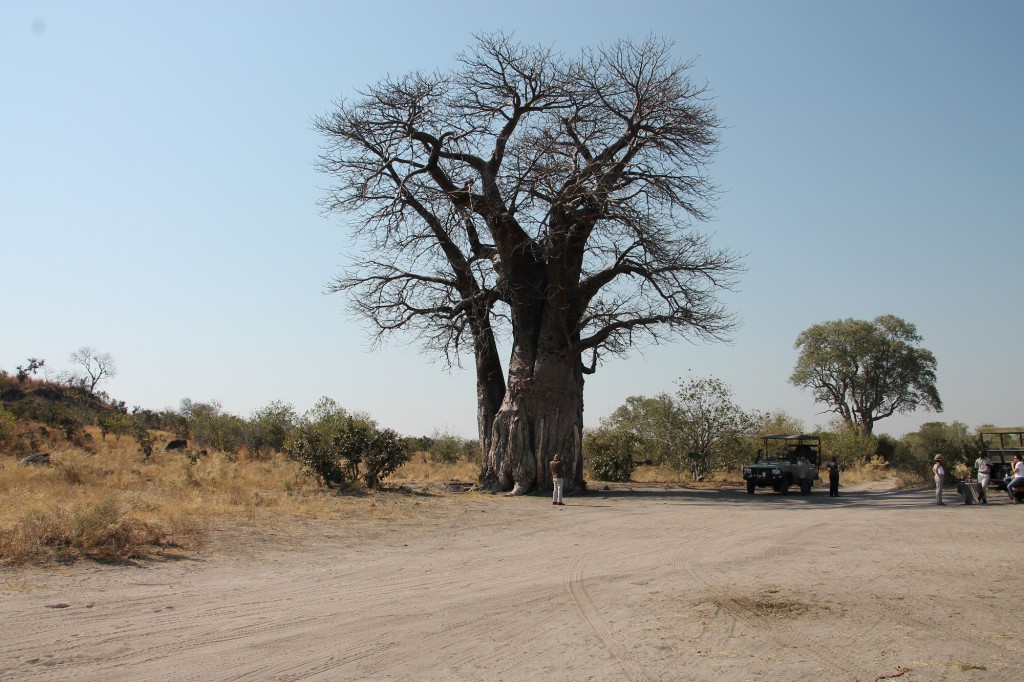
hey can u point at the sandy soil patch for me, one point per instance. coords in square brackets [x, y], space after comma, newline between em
[631, 583]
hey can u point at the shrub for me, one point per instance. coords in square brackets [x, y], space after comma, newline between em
[8, 427]
[609, 453]
[144, 439]
[268, 429]
[384, 454]
[114, 422]
[444, 447]
[335, 446]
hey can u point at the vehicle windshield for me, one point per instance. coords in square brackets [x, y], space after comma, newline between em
[789, 449]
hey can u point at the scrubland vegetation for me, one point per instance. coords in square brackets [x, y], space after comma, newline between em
[112, 491]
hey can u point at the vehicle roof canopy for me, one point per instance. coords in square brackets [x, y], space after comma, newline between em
[1000, 429]
[794, 436]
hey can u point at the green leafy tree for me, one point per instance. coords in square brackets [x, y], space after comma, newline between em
[546, 199]
[609, 452]
[713, 425]
[655, 424]
[866, 371]
[114, 422]
[268, 429]
[143, 438]
[848, 444]
[953, 441]
[210, 427]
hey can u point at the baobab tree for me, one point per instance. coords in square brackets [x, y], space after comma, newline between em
[539, 201]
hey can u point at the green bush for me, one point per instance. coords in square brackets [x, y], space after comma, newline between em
[385, 452]
[8, 427]
[339, 448]
[268, 429]
[609, 453]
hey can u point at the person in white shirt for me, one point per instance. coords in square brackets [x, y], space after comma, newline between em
[940, 477]
[1018, 477]
[984, 467]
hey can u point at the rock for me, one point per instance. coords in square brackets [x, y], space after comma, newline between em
[40, 458]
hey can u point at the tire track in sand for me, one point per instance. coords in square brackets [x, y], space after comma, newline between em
[573, 577]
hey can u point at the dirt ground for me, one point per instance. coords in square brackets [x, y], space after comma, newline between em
[631, 583]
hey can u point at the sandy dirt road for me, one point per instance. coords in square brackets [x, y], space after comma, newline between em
[639, 585]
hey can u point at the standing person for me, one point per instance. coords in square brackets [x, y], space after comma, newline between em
[802, 475]
[1018, 477]
[940, 477]
[557, 478]
[983, 465]
[833, 478]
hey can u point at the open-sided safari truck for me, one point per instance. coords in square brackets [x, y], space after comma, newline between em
[776, 463]
[1001, 444]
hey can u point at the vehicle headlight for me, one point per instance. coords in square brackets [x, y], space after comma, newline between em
[776, 472]
[746, 472]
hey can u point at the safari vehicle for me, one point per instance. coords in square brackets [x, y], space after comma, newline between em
[1001, 444]
[776, 462]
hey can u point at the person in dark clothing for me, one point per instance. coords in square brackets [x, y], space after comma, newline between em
[557, 478]
[833, 478]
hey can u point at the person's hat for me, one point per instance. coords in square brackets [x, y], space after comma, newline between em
[938, 457]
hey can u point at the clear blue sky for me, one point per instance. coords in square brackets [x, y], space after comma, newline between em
[158, 197]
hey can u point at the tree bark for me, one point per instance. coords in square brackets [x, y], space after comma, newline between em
[490, 385]
[541, 415]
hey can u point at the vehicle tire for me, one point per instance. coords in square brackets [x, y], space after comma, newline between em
[784, 486]
[750, 487]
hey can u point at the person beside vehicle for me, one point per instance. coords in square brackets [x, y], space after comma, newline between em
[1018, 478]
[940, 477]
[833, 478]
[983, 465]
[803, 472]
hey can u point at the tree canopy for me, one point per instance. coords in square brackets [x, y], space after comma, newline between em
[866, 371]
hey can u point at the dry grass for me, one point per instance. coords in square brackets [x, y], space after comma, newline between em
[873, 470]
[104, 501]
[108, 503]
[420, 468]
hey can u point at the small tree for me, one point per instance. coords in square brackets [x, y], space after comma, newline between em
[97, 367]
[209, 426]
[268, 429]
[114, 422]
[29, 369]
[385, 452]
[847, 444]
[144, 438]
[713, 425]
[656, 426]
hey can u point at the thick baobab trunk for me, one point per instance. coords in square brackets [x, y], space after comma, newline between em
[541, 414]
